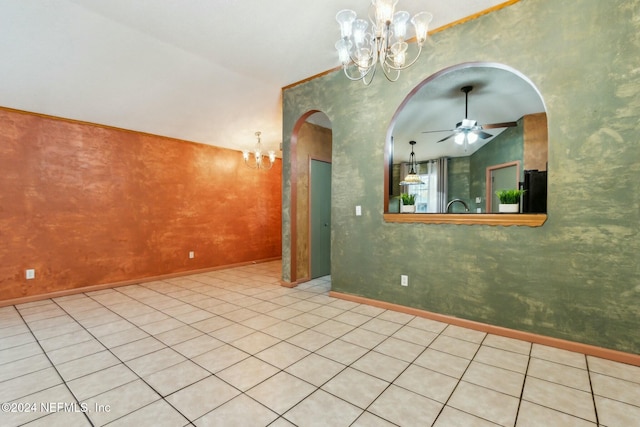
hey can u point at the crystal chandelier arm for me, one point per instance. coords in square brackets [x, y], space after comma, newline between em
[371, 71]
[387, 73]
[348, 61]
[249, 164]
[358, 76]
[404, 67]
[344, 45]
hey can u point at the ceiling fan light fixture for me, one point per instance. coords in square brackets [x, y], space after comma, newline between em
[467, 124]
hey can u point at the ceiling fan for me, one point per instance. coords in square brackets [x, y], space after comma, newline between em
[468, 131]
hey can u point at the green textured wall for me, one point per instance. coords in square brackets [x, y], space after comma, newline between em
[459, 180]
[577, 277]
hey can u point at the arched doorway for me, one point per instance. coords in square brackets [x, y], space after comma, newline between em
[310, 197]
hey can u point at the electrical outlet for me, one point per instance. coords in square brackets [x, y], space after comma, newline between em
[192, 254]
[30, 273]
[404, 280]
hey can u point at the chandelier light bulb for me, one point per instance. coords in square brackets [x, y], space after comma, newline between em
[421, 23]
[400, 20]
[384, 11]
[345, 18]
[359, 31]
[398, 53]
[343, 46]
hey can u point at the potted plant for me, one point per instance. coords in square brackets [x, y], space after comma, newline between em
[509, 200]
[407, 203]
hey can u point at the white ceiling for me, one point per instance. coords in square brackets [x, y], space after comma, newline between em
[208, 71]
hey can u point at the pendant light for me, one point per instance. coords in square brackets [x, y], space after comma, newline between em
[412, 178]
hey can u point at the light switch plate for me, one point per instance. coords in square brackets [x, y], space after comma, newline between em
[358, 210]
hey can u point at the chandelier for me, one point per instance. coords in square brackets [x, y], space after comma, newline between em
[258, 155]
[360, 50]
[412, 177]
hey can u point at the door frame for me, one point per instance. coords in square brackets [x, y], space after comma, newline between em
[488, 186]
[290, 243]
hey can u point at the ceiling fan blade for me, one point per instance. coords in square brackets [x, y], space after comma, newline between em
[484, 135]
[434, 131]
[500, 125]
[444, 139]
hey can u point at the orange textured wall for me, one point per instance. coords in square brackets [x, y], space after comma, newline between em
[87, 205]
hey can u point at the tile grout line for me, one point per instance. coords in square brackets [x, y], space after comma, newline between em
[109, 350]
[212, 373]
[231, 284]
[120, 360]
[593, 395]
[398, 376]
[524, 382]
[459, 380]
[241, 392]
[53, 365]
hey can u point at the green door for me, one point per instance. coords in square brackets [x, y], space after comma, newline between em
[320, 212]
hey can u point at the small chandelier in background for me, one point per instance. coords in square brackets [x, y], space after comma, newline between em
[412, 177]
[259, 156]
[385, 43]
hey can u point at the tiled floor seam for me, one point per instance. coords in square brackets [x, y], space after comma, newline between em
[593, 395]
[524, 382]
[392, 383]
[459, 380]
[160, 396]
[53, 365]
[232, 286]
[124, 363]
[212, 373]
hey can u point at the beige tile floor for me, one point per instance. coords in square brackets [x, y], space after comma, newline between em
[233, 348]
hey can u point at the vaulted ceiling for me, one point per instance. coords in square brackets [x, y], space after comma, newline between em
[209, 71]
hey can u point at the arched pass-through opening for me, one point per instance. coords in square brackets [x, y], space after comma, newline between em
[310, 142]
[510, 115]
